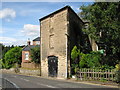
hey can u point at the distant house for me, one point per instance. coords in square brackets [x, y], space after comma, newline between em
[26, 60]
[36, 41]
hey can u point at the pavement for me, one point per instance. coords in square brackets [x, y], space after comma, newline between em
[23, 81]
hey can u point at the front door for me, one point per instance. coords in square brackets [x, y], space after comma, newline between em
[52, 66]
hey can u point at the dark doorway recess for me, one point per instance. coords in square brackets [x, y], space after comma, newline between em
[52, 66]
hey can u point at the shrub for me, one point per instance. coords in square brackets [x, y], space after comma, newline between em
[74, 53]
[118, 73]
[35, 54]
[83, 61]
[91, 60]
[106, 67]
[13, 56]
[74, 57]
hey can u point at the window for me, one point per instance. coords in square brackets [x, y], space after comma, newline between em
[26, 56]
[51, 30]
[51, 41]
[37, 42]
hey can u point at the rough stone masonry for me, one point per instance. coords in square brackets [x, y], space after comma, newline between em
[60, 32]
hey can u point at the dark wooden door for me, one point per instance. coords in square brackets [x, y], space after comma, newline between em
[52, 66]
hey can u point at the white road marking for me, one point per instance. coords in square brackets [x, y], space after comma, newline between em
[25, 79]
[14, 76]
[47, 85]
[21, 78]
[40, 84]
[12, 83]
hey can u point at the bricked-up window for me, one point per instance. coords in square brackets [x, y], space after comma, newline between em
[51, 30]
[51, 41]
[26, 56]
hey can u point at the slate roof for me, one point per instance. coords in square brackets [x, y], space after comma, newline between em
[28, 47]
[66, 7]
[37, 39]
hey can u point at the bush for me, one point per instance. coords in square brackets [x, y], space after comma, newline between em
[83, 61]
[35, 54]
[74, 53]
[75, 60]
[106, 67]
[91, 60]
[13, 56]
[118, 73]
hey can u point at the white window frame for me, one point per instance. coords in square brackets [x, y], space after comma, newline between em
[27, 56]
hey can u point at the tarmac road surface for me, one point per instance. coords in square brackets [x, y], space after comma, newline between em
[22, 81]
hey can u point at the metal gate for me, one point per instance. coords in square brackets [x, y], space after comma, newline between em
[52, 66]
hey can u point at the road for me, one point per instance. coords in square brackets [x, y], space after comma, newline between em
[23, 81]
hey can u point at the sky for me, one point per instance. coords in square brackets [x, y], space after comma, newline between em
[20, 20]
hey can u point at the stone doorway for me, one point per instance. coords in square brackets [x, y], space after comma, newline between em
[52, 66]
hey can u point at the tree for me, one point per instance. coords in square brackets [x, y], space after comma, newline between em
[13, 56]
[1, 47]
[3, 50]
[104, 27]
[35, 54]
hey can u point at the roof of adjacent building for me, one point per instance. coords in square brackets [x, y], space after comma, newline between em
[29, 47]
[61, 10]
[37, 39]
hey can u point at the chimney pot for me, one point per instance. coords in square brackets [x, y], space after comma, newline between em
[28, 42]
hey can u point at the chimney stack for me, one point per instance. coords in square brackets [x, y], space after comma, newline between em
[28, 42]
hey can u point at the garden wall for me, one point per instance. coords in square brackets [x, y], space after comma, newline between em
[30, 65]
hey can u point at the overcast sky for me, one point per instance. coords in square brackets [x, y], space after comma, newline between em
[20, 20]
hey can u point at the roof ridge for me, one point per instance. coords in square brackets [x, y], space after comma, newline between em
[28, 47]
[36, 39]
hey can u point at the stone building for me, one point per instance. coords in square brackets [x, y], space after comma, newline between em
[60, 32]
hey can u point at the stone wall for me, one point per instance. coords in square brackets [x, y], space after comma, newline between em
[35, 72]
[74, 34]
[30, 72]
[30, 65]
[75, 30]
